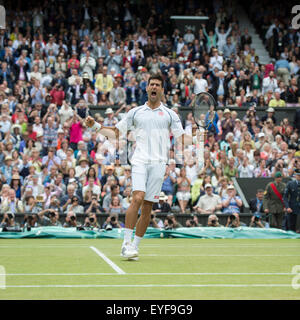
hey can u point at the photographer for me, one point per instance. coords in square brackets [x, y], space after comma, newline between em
[112, 222]
[55, 204]
[193, 222]
[213, 221]
[94, 206]
[256, 221]
[233, 221]
[49, 217]
[171, 222]
[9, 221]
[91, 221]
[257, 208]
[30, 221]
[155, 222]
[71, 220]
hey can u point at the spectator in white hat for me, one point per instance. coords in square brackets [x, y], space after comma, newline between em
[109, 120]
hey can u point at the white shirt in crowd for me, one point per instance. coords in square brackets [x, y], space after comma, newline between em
[200, 86]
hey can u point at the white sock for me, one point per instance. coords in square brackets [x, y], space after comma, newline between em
[136, 241]
[127, 235]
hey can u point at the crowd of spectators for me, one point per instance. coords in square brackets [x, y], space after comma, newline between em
[58, 59]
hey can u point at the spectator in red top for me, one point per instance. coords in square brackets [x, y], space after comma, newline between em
[18, 115]
[268, 68]
[57, 94]
[76, 125]
[74, 62]
[31, 133]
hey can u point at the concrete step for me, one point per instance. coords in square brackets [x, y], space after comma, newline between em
[257, 43]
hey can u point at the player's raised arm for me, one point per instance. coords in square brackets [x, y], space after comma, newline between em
[109, 132]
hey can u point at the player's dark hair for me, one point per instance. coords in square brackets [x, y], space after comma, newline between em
[156, 77]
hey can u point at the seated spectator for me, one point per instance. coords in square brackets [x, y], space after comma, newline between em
[91, 189]
[276, 101]
[162, 206]
[74, 206]
[183, 191]
[246, 170]
[209, 203]
[168, 185]
[115, 192]
[231, 202]
[115, 205]
[12, 204]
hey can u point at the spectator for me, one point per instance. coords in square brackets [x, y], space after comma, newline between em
[210, 202]
[231, 202]
[277, 102]
[162, 206]
[183, 190]
[12, 204]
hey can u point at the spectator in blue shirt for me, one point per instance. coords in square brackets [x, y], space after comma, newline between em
[282, 68]
[231, 202]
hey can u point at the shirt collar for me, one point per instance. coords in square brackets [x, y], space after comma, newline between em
[160, 107]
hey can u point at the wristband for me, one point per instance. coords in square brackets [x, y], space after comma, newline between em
[96, 126]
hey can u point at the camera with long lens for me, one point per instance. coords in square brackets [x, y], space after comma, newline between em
[193, 223]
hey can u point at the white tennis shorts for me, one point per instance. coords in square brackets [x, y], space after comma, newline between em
[149, 179]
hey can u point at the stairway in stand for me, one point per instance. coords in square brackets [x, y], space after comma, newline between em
[257, 43]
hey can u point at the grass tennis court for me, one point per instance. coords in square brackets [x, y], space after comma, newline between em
[167, 269]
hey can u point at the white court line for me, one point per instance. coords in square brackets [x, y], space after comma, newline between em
[217, 255]
[146, 285]
[107, 260]
[156, 274]
[157, 246]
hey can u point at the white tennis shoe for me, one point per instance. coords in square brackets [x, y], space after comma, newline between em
[129, 252]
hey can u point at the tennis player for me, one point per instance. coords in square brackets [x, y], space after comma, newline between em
[152, 123]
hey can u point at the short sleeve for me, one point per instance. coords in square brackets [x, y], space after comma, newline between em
[127, 121]
[176, 125]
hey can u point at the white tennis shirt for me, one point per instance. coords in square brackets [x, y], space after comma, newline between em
[152, 131]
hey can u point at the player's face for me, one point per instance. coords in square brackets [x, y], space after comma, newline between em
[155, 90]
